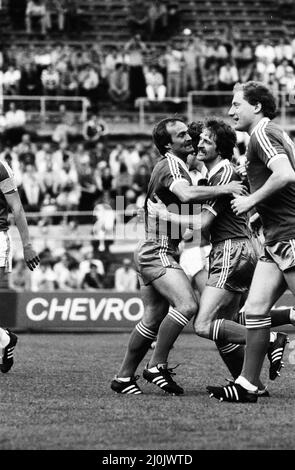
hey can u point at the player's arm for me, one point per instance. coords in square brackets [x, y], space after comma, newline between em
[31, 258]
[187, 193]
[193, 222]
[282, 175]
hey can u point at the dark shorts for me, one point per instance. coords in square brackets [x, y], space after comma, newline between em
[281, 253]
[153, 257]
[232, 264]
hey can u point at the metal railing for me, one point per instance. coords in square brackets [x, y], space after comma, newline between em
[44, 101]
[194, 106]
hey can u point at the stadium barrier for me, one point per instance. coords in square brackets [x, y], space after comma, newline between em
[101, 311]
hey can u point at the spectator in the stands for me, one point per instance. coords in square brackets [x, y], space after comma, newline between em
[155, 87]
[65, 129]
[44, 279]
[88, 185]
[15, 124]
[26, 150]
[264, 51]
[136, 49]
[94, 130]
[88, 258]
[68, 83]
[115, 158]
[30, 82]
[31, 191]
[70, 280]
[11, 79]
[43, 156]
[19, 279]
[50, 81]
[173, 59]
[99, 154]
[92, 280]
[119, 84]
[103, 228]
[50, 180]
[210, 83]
[228, 76]
[281, 70]
[123, 180]
[190, 57]
[60, 268]
[283, 50]
[89, 80]
[126, 277]
[36, 11]
[141, 179]
[58, 9]
[69, 192]
[287, 83]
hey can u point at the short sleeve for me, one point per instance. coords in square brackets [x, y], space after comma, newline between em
[172, 173]
[7, 181]
[269, 145]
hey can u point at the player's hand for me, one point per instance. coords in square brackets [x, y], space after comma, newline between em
[31, 258]
[241, 204]
[157, 209]
[237, 188]
[241, 170]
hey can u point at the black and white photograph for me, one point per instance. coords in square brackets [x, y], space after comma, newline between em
[147, 230]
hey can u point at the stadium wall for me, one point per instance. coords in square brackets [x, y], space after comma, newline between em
[78, 311]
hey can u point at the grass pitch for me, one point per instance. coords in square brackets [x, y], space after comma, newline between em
[58, 397]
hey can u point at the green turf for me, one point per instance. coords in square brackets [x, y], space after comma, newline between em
[57, 396]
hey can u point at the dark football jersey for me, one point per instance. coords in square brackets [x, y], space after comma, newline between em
[167, 172]
[226, 223]
[269, 142]
[7, 184]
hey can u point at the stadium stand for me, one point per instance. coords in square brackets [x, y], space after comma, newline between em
[61, 78]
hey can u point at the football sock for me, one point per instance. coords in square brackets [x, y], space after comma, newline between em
[170, 328]
[246, 384]
[233, 357]
[258, 333]
[4, 338]
[139, 343]
[227, 331]
[279, 316]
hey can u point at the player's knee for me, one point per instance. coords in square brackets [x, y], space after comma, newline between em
[201, 328]
[188, 309]
[254, 309]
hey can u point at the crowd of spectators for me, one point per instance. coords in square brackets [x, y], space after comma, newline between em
[84, 270]
[55, 176]
[122, 74]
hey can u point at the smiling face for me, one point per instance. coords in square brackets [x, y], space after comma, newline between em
[207, 150]
[244, 114]
[181, 142]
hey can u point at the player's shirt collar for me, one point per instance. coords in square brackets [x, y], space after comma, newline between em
[259, 123]
[217, 167]
[181, 162]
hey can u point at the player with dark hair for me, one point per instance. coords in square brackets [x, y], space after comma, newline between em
[168, 297]
[9, 199]
[232, 258]
[271, 174]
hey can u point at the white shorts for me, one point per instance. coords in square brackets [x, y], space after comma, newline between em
[5, 252]
[195, 259]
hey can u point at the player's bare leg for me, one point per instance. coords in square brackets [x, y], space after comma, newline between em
[176, 288]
